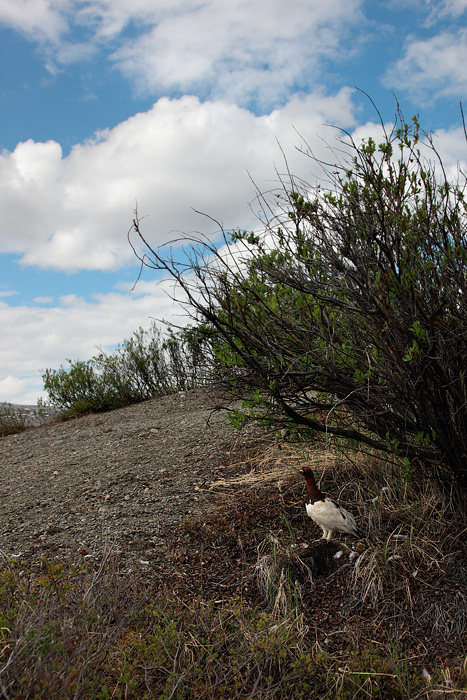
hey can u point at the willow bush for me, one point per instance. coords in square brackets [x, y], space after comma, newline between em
[346, 313]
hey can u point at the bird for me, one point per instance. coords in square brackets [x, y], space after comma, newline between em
[324, 512]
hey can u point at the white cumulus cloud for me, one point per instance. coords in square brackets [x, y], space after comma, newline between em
[237, 50]
[42, 20]
[432, 68]
[73, 212]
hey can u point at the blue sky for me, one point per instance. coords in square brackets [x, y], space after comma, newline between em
[175, 105]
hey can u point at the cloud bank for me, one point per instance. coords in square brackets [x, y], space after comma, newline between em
[236, 50]
[34, 339]
[72, 213]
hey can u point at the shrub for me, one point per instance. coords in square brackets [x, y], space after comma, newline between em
[15, 419]
[346, 314]
[146, 365]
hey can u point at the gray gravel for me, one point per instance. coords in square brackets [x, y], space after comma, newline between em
[121, 480]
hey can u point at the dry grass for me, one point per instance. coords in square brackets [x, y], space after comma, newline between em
[61, 641]
[271, 613]
[405, 592]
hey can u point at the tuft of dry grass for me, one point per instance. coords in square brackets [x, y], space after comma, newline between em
[15, 419]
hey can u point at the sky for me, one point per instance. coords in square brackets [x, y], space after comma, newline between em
[179, 107]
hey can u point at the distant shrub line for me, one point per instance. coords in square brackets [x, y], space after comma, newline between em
[14, 419]
[147, 365]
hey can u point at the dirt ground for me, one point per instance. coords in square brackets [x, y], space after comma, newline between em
[180, 499]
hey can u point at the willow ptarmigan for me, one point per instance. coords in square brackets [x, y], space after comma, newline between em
[324, 512]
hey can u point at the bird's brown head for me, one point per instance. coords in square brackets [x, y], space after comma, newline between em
[314, 494]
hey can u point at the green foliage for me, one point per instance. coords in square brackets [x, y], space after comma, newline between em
[58, 641]
[146, 365]
[15, 419]
[347, 314]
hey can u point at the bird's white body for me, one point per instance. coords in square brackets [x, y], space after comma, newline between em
[330, 517]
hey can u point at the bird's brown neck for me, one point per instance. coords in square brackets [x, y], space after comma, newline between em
[314, 494]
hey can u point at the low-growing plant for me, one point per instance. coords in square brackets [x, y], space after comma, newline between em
[147, 365]
[364, 628]
[54, 632]
[15, 419]
[57, 642]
